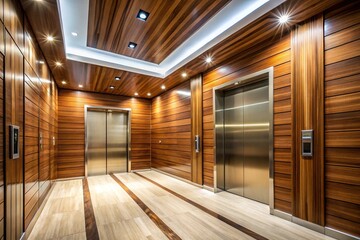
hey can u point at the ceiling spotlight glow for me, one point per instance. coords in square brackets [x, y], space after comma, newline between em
[63, 82]
[163, 87]
[58, 64]
[132, 45]
[74, 34]
[41, 62]
[136, 94]
[149, 94]
[208, 60]
[284, 18]
[184, 74]
[112, 87]
[50, 38]
[117, 78]
[142, 15]
[81, 86]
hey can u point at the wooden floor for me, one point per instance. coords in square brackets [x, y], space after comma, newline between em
[151, 205]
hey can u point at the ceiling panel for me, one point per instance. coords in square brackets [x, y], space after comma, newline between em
[113, 24]
[44, 18]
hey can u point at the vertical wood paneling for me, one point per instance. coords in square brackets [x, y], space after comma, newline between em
[171, 131]
[2, 144]
[196, 129]
[272, 53]
[71, 129]
[14, 76]
[308, 90]
[342, 117]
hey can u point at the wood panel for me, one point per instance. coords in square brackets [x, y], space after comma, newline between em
[71, 129]
[14, 115]
[171, 144]
[196, 129]
[98, 79]
[2, 144]
[273, 53]
[113, 24]
[308, 87]
[31, 158]
[342, 115]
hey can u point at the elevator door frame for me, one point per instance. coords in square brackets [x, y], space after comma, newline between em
[125, 110]
[218, 98]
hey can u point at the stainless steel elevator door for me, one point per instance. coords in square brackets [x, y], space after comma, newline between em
[96, 142]
[117, 136]
[246, 141]
[256, 141]
[234, 137]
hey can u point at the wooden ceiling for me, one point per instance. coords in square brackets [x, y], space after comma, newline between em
[44, 18]
[113, 24]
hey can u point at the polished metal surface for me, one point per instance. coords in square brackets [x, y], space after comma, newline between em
[256, 142]
[96, 142]
[234, 141]
[219, 169]
[117, 142]
[246, 128]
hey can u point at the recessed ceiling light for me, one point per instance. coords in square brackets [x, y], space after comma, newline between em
[142, 15]
[184, 74]
[236, 83]
[112, 87]
[74, 34]
[63, 82]
[58, 64]
[50, 38]
[80, 85]
[117, 78]
[149, 94]
[136, 94]
[163, 87]
[41, 62]
[208, 60]
[132, 45]
[283, 19]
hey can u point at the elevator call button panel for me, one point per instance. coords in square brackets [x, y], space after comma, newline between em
[307, 141]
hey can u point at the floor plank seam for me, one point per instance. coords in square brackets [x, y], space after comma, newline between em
[208, 211]
[169, 233]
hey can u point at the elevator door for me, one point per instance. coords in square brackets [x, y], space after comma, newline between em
[246, 136]
[106, 139]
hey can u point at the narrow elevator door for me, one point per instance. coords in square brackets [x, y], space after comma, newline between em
[246, 137]
[106, 139]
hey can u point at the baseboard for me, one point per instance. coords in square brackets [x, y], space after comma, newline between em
[324, 230]
[141, 170]
[37, 215]
[68, 179]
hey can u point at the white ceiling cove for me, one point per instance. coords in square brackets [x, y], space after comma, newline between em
[234, 16]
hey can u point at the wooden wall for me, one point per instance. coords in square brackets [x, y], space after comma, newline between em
[71, 130]
[27, 91]
[342, 118]
[272, 53]
[171, 131]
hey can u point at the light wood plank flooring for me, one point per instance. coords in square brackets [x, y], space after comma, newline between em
[118, 216]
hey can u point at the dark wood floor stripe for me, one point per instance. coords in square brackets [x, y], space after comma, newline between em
[208, 211]
[90, 223]
[159, 223]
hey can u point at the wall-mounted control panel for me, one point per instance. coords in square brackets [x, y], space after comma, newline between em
[14, 141]
[197, 143]
[307, 142]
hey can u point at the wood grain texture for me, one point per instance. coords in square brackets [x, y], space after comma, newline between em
[113, 24]
[2, 145]
[90, 222]
[14, 75]
[308, 81]
[273, 53]
[71, 129]
[342, 116]
[196, 129]
[171, 145]
[98, 79]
